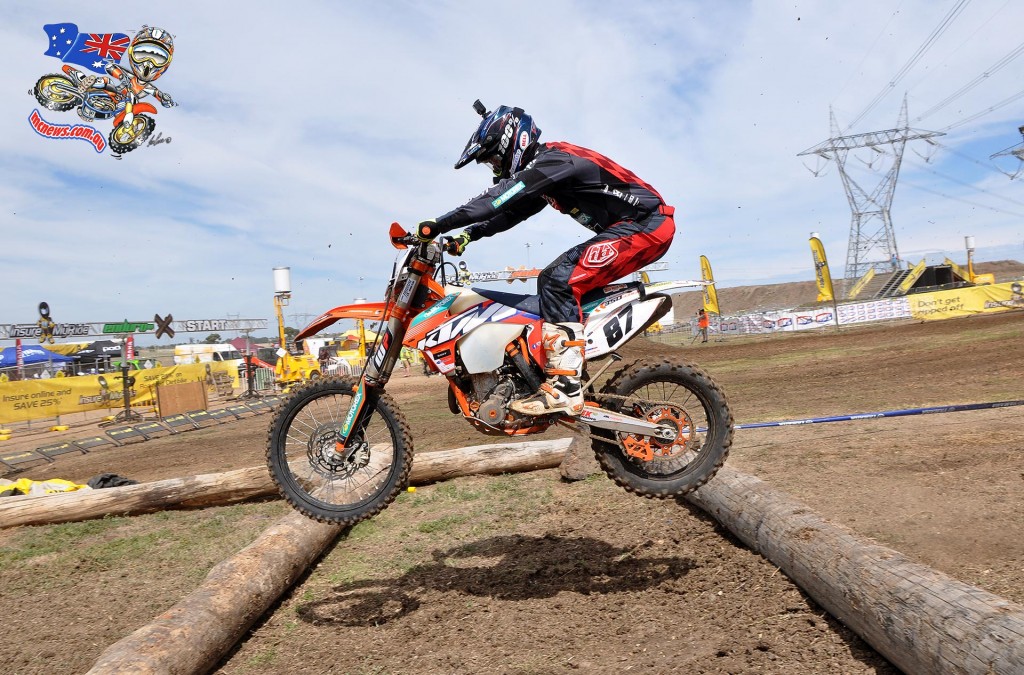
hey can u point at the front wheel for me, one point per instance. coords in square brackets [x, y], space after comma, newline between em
[126, 136]
[329, 483]
[676, 395]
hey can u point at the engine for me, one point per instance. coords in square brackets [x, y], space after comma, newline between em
[489, 396]
[493, 393]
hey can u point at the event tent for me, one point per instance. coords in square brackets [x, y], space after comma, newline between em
[30, 355]
[101, 349]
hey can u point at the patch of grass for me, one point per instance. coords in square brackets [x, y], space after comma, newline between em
[117, 553]
[451, 492]
[363, 530]
[32, 542]
[355, 568]
[36, 560]
[441, 524]
[263, 658]
[506, 483]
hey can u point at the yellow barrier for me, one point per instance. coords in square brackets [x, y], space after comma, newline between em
[42, 399]
[967, 301]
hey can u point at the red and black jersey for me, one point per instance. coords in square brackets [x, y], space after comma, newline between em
[586, 185]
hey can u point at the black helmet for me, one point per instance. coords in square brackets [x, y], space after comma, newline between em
[501, 140]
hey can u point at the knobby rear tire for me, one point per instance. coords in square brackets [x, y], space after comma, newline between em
[56, 92]
[702, 399]
[314, 410]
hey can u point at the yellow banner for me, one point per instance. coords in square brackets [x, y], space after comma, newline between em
[67, 348]
[859, 286]
[957, 270]
[967, 301]
[45, 399]
[912, 278]
[710, 294]
[821, 273]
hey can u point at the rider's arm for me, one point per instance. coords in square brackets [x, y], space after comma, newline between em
[515, 198]
[505, 220]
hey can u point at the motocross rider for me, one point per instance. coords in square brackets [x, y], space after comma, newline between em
[632, 224]
[149, 56]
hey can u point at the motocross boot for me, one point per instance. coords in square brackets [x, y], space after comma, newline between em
[562, 392]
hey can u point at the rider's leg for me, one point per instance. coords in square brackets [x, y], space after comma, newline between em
[616, 252]
[562, 392]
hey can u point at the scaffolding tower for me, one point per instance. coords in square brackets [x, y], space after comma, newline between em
[872, 244]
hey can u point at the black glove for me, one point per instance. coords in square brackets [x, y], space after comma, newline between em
[427, 230]
[457, 245]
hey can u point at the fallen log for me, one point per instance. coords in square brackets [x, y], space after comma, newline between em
[195, 633]
[219, 489]
[193, 636]
[920, 619]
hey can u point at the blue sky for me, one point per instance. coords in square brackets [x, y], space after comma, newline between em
[304, 129]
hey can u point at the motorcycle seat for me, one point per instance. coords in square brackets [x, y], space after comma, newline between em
[525, 303]
[531, 303]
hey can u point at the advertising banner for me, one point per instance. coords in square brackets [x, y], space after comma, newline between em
[821, 274]
[861, 283]
[710, 294]
[884, 309]
[774, 322]
[25, 400]
[967, 301]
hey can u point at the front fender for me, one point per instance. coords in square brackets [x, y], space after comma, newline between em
[372, 311]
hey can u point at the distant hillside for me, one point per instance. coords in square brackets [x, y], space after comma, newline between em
[784, 296]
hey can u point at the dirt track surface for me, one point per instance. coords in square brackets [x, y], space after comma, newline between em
[527, 574]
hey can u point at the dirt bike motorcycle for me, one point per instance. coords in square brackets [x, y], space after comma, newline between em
[340, 450]
[75, 89]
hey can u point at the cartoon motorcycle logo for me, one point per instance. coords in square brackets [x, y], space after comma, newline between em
[118, 96]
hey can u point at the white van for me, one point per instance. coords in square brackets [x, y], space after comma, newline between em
[205, 353]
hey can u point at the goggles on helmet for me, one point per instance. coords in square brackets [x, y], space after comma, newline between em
[151, 51]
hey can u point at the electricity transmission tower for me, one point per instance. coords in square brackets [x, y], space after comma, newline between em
[1015, 151]
[872, 244]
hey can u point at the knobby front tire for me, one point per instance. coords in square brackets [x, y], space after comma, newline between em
[126, 137]
[674, 394]
[326, 483]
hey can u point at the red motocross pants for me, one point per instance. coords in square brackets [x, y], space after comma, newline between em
[616, 252]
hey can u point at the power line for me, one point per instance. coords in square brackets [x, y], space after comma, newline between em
[921, 51]
[986, 111]
[870, 49]
[996, 67]
[966, 184]
[950, 148]
[960, 199]
[969, 40]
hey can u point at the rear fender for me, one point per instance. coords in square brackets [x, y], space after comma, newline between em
[608, 330]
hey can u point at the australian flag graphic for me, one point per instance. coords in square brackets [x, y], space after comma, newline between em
[90, 50]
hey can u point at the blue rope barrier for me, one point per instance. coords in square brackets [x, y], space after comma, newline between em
[886, 413]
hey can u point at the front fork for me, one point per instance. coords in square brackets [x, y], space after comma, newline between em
[382, 361]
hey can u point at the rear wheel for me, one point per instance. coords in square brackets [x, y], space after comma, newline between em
[328, 483]
[676, 395]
